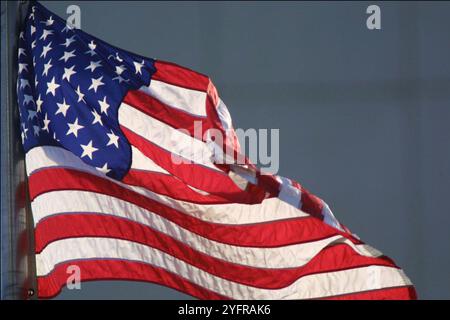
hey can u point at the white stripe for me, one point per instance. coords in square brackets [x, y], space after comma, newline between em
[224, 116]
[290, 256]
[329, 218]
[271, 209]
[140, 162]
[311, 286]
[188, 100]
[241, 182]
[289, 193]
[165, 136]
[244, 172]
[50, 156]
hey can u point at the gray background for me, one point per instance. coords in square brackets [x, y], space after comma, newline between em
[363, 115]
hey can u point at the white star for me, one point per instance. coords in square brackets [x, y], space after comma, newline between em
[24, 83]
[120, 79]
[24, 133]
[38, 104]
[68, 72]
[88, 149]
[118, 58]
[67, 55]
[104, 169]
[23, 66]
[104, 105]
[36, 130]
[47, 67]
[92, 47]
[34, 62]
[33, 30]
[21, 51]
[68, 41]
[45, 34]
[27, 99]
[120, 69]
[46, 49]
[54, 137]
[113, 139]
[49, 21]
[93, 65]
[33, 44]
[138, 66]
[73, 128]
[31, 114]
[97, 117]
[21, 35]
[80, 94]
[96, 83]
[62, 107]
[46, 123]
[52, 86]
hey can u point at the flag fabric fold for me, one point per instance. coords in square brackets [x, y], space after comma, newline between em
[123, 186]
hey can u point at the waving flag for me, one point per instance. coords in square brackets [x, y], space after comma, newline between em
[104, 131]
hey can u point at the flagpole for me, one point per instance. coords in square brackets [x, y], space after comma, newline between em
[18, 280]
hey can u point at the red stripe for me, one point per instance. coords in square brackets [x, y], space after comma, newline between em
[180, 76]
[333, 258]
[51, 284]
[399, 293]
[269, 234]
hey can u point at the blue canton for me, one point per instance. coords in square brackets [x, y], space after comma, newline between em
[70, 86]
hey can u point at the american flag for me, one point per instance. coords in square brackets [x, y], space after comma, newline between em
[101, 128]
